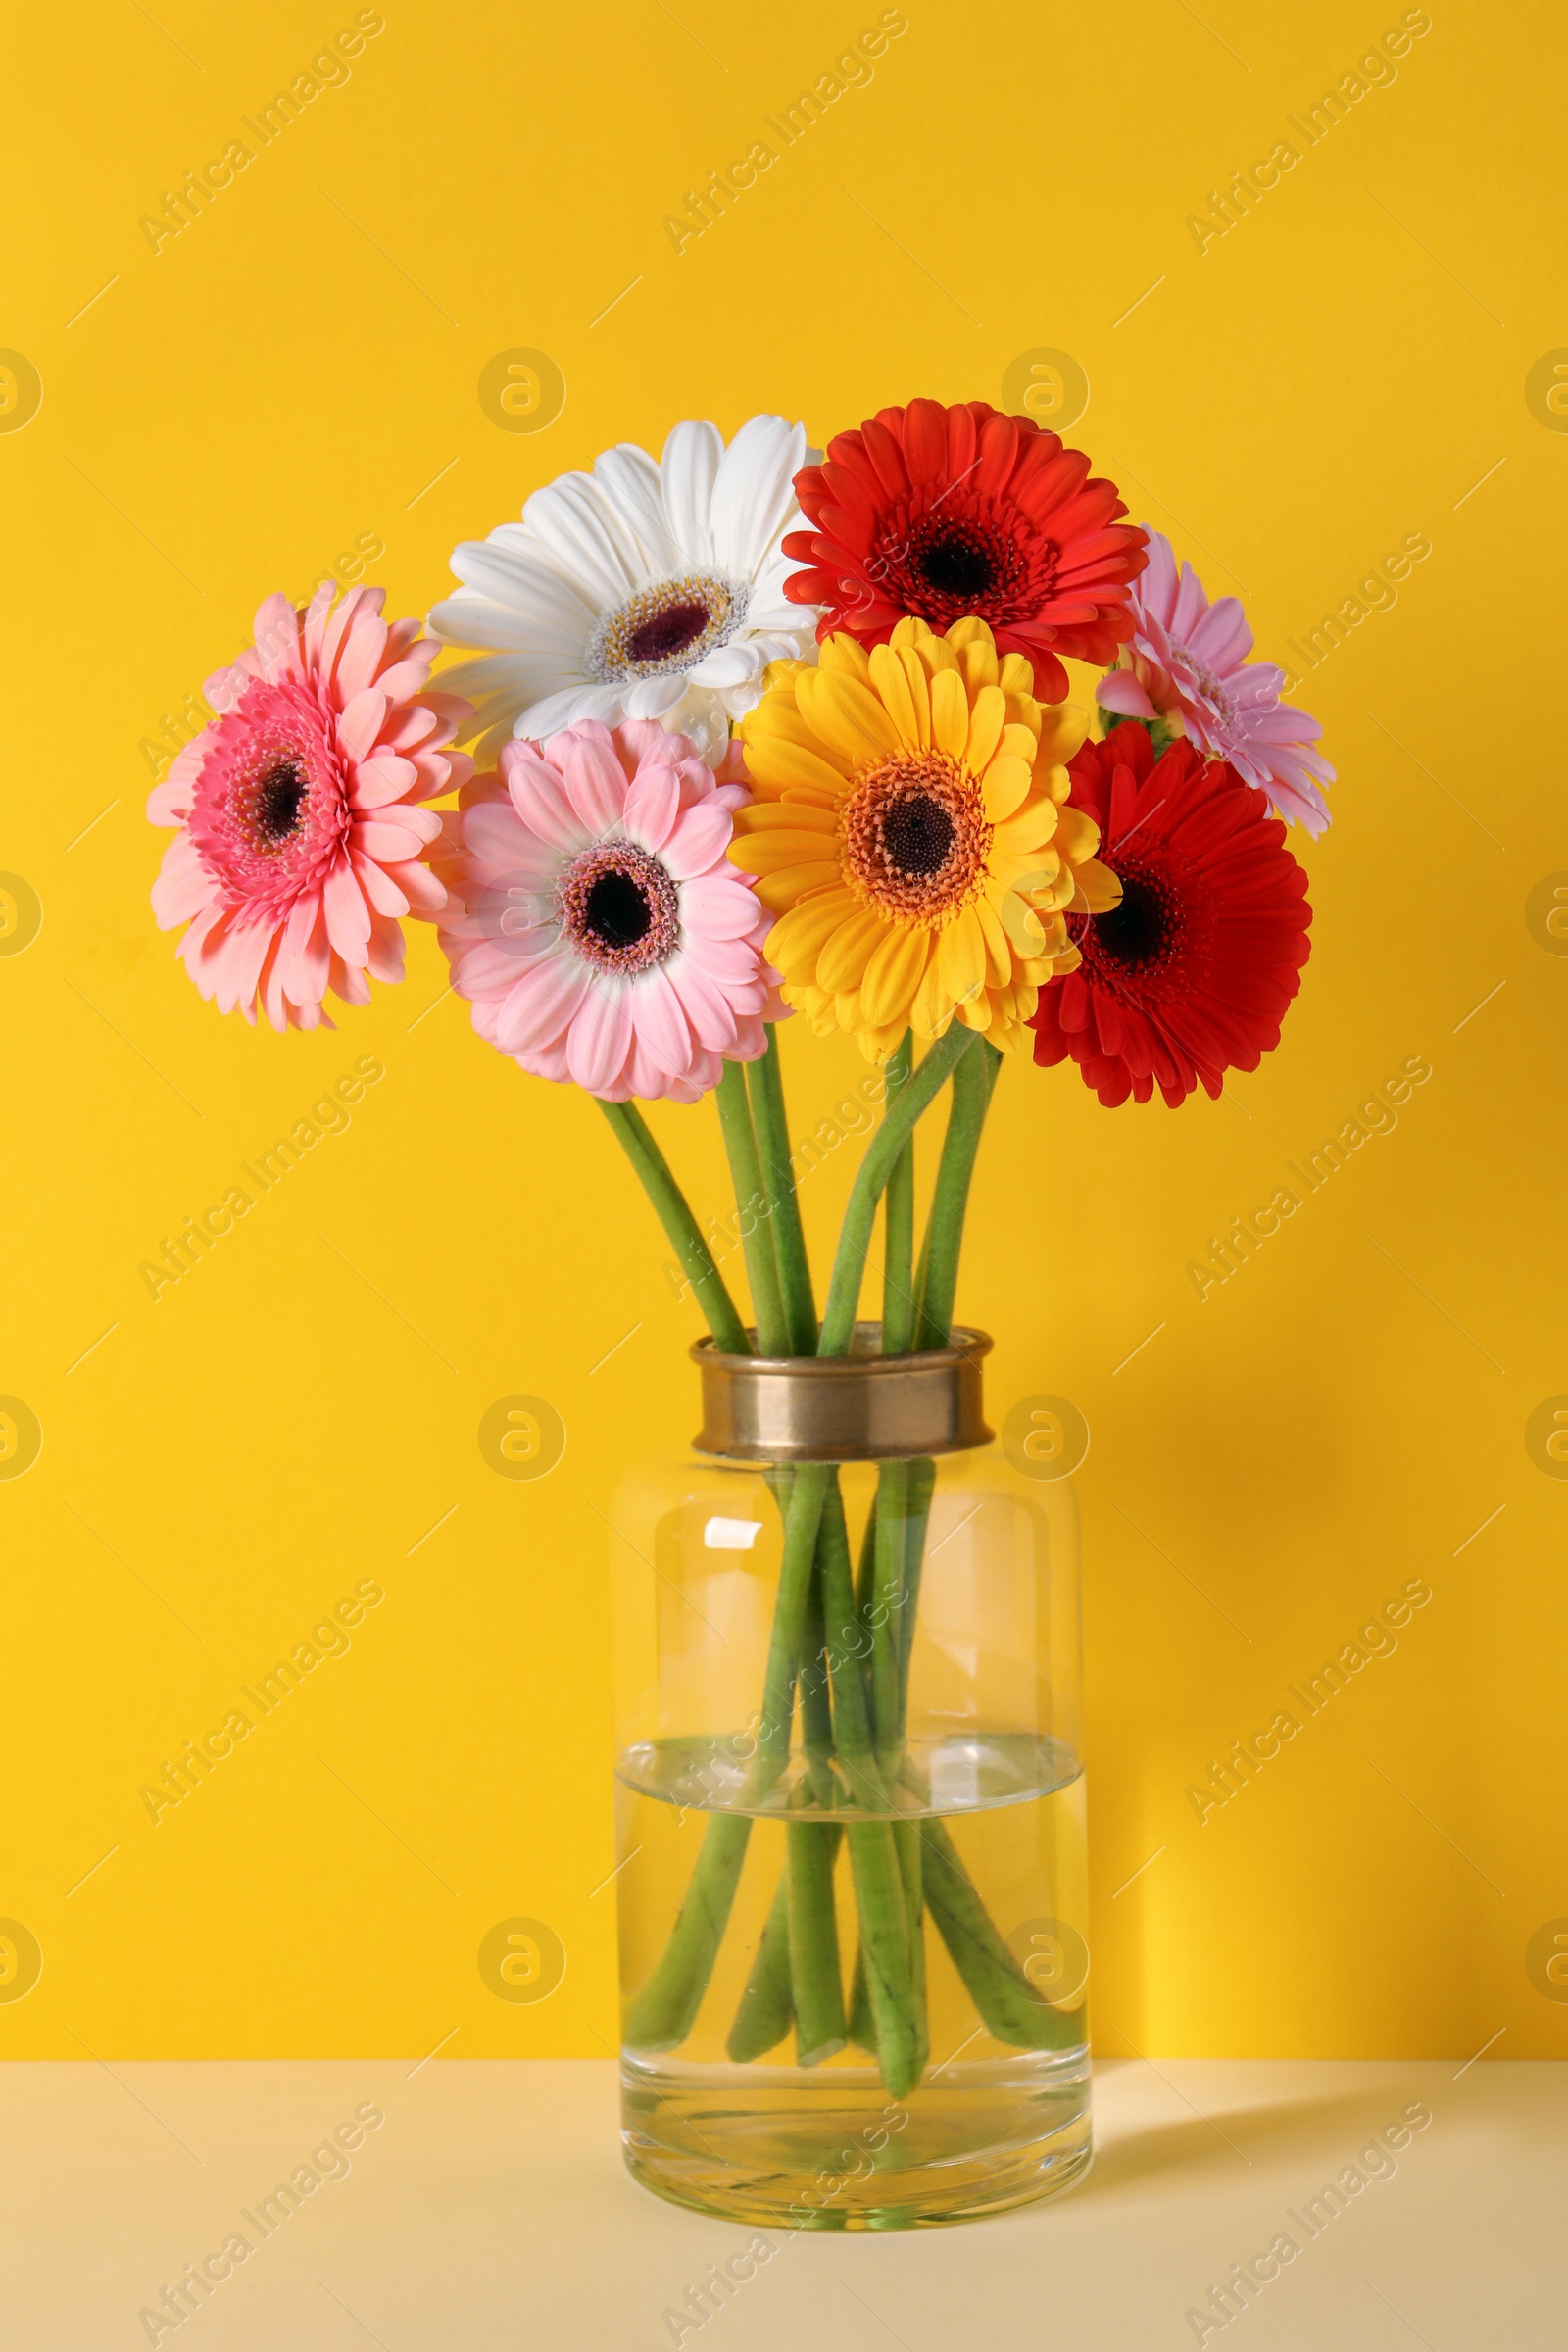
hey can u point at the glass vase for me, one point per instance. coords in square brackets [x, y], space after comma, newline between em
[851, 1866]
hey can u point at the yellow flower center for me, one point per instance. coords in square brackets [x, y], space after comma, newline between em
[915, 839]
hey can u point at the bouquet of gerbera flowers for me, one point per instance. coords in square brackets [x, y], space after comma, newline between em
[758, 737]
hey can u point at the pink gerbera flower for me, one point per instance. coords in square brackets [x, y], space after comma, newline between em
[300, 834]
[595, 922]
[1187, 664]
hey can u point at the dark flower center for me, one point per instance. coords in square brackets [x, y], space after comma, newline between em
[956, 568]
[667, 633]
[616, 911]
[916, 840]
[666, 625]
[917, 834]
[1140, 930]
[619, 908]
[278, 796]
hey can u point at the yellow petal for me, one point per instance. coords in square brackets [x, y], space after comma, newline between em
[912, 630]
[950, 713]
[1034, 824]
[775, 761]
[845, 955]
[998, 955]
[971, 631]
[961, 955]
[774, 852]
[1016, 674]
[784, 816]
[1018, 741]
[846, 654]
[888, 679]
[845, 716]
[1062, 730]
[975, 1012]
[797, 940]
[1098, 889]
[779, 891]
[1077, 835]
[894, 974]
[1004, 787]
[1022, 926]
[987, 717]
[932, 1009]
[915, 678]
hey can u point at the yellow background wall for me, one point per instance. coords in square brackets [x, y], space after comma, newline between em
[295, 374]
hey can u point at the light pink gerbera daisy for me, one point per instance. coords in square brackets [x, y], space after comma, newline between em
[300, 834]
[1187, 664]
[594, 921]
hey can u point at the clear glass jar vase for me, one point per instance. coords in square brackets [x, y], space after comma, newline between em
[850, 1803]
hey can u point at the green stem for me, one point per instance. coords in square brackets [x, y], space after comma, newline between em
[879, 1888]
[859, 1216]
[1009, 2007]
[817, 1986]
[898, 1223]
[922, 1476]
[765, 1086]
[971, 1094]
[750, 1202]
[680, 1226]
[665, 2011]
[765, 2007]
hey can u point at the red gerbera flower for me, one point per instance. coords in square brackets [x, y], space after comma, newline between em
[1192, 974]
[947, 512]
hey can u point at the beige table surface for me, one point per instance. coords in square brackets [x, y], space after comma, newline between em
[489, 2209]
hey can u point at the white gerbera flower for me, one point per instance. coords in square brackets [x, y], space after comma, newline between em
[637, 591]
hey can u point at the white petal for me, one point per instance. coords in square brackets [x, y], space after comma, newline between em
[753, 497]
[692, 457]
[587, 535]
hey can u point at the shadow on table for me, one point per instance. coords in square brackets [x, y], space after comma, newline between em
[1235, 2133]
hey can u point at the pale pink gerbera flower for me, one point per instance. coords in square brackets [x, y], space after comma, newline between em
[595, 922]
[1187, 664]
[300, 834]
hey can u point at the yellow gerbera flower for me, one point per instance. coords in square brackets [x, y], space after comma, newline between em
[909, 831]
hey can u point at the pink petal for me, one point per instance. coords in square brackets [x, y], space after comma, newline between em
[348, 918]
[586, 755]
[600, 1037]
[652, 804]
[698, 843]
[539, 796]
[660, 1022]
[382, 778]
[721, 910]
[361, 722]
[542, 1001]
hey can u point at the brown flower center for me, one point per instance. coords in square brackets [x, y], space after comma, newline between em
[619, 908]
[670, 625]
[270, 802]
[915, 836]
